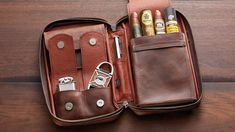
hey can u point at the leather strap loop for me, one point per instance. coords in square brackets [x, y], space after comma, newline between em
[92, 55]
[62, 59]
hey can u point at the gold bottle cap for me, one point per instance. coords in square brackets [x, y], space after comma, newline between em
[159, 23]
[136, 28]
[134, 18]
[158, 15]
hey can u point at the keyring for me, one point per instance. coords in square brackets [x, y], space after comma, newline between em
[101, 77]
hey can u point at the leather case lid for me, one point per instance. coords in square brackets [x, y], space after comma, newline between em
[139, 5]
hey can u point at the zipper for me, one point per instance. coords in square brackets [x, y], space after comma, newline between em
[125, 104]
[109, 115]
[73, 21]
[168, 107]
[114, 26]
[121, 19]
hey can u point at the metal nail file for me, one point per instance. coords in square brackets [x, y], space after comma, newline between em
[118, 47]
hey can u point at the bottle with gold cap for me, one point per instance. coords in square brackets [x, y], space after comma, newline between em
[136, 28]
[171, 20]
[159, 23]
[147, 23]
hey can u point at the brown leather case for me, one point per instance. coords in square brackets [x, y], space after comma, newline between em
[155, 74]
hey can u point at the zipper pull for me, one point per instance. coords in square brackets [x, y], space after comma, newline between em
[125, 104]
[113, 27]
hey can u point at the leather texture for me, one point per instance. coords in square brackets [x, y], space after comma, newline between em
[156, 74]
[121, 66]
[162, 71]
[75, 30]
[84, 103]
[92, 55]
[62, 60]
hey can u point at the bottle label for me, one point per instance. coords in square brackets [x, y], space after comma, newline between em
[172, 29]
[147, 23]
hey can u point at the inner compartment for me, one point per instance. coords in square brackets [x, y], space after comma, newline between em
[122, 79]
[161, 43]
[77, 54]
[161, 70]
[85, 59]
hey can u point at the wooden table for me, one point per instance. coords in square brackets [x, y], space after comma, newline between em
[22, 105]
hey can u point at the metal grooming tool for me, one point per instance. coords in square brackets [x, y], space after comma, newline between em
[118, 47]
[100, 77]
[66, 84]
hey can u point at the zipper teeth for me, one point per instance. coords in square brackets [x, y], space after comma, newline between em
[84, 19]
[92, 118]
[121, 19]
[74, 20]
[169, 107]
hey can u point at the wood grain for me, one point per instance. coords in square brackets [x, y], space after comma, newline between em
[23, 108]
[212, 22]
[22, 105]
[22, 22]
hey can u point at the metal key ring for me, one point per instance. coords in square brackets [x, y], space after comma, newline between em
[103, 63]
[101, 77]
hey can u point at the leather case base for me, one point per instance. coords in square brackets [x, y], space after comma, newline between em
[155, 74]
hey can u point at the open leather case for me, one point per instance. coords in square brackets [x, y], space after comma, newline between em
[155, 74]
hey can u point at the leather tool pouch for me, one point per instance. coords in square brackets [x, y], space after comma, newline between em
[155, 74]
